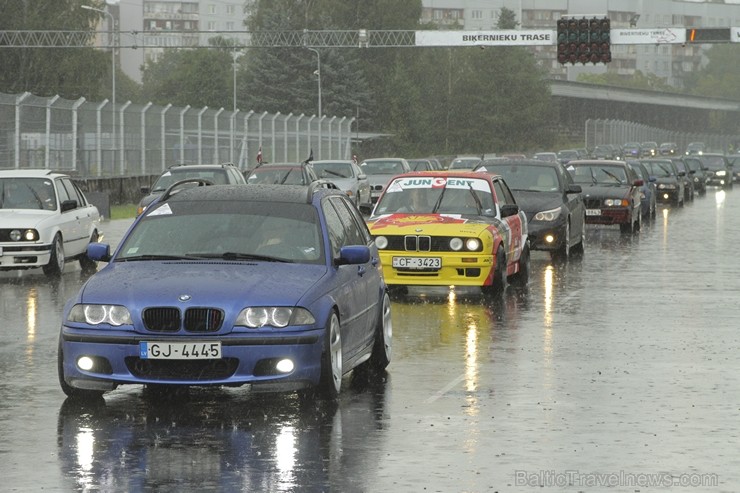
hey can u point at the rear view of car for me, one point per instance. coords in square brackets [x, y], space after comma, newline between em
[380, 170]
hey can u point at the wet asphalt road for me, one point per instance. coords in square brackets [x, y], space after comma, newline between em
[621, 369]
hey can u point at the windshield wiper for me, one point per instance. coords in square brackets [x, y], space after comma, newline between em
[612, 175]
[239, 256]
[478, 204]
[439, 200]
[157, 256]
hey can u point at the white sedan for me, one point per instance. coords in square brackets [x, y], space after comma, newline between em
[45, 221]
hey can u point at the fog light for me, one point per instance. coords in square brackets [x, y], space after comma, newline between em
[549, 238]
[665, 196]
[285, 366]
[85, 363]
[15, 235]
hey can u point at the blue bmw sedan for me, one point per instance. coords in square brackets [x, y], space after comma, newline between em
[276, 287]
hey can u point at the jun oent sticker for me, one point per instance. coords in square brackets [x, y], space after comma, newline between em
[438, 182]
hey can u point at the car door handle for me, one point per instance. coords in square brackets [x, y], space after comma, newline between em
[374, 261]
[361, 270]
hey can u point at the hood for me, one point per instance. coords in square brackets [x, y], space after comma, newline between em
[379, 179]
[230, 285]
[440, 224]
[24, 218]
[534, 202]
[606, 192]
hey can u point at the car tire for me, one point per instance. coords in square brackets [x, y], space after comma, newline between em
[521, 278]
[498, 285]
[380, 358]
[330, 383]
[72, 392]
[55, 267]
[87, 264]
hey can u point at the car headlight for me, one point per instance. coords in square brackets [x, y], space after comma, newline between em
[274, 316]
[456, 244]
[115, 315]
[721, 172]
[381, 242]
[472, 244]
[616, 203]
[25, 235]
[550, 215]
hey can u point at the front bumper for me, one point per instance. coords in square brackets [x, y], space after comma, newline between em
[458, 269]
[609, 215]
[246, 359]
[20, 256]
[540, 232]
[666, 196]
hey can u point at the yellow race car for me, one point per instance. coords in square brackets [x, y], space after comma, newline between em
[445, 228]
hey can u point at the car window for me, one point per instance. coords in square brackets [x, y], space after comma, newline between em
[382, 167]
[27, 193]
[532, 178]
[353, 234]
[212, 229]
[436, 194]
[503, 194]
[335, 228]
[333, 170]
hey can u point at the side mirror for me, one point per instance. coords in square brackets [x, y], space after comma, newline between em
[652, 179]
[574, 189]
[361, 176]
[509, 210]
[353, 255]
[145, 190]
[99, 251]
[68, 205]
[639, 182]
[366, 209]
[681, 173]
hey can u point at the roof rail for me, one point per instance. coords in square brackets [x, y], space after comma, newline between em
[175, 187]
[316, 185]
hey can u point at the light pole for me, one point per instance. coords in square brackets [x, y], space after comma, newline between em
[113, 76]
[318, 73]
[235, 54]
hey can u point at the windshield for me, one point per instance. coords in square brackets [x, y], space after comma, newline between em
[333, 170]
[27, 193]
[464, 163]
[276, 176]
[714, 162]
[530, 178]
[226, 230]
[390, 167]
[659, 169]
[215, 176]
[599, 175]
[437, 194]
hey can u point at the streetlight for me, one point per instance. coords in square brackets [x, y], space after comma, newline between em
[235, 55]
[113, 75]
[318, 73]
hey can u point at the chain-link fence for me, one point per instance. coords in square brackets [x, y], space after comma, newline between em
[618, 132]
[95, 139]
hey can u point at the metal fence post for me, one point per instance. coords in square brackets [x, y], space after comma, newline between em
[200, 134]
[285, 137]
[164, 136]
[297, 136]
[182, 133]
[17, 139]
[75, 107]
[232, 135]
[273, 136]
[49, 104]
[143, 137]
[321, 137]
[124, 168]
[259, 127]
[308, 131]
[216, 157]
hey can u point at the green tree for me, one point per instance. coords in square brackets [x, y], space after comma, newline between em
[197, 77]
[638, 80]
[68, 72]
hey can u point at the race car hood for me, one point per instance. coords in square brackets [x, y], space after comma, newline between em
[440, 224]
[23, 218]
[231, 285]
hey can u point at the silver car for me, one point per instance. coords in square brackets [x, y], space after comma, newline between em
[347, 176]
[380, 171]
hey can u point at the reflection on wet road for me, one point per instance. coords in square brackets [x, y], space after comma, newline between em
[620, 367]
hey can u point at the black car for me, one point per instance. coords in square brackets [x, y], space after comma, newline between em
[631, 150]
[552, 202]
[217, 174]
[684, 172]
[698, 173]
[603, 152]
[611, 193]
[668, 149]
[648, 191]
[670, 186]
[648, 149]
[719, 169]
